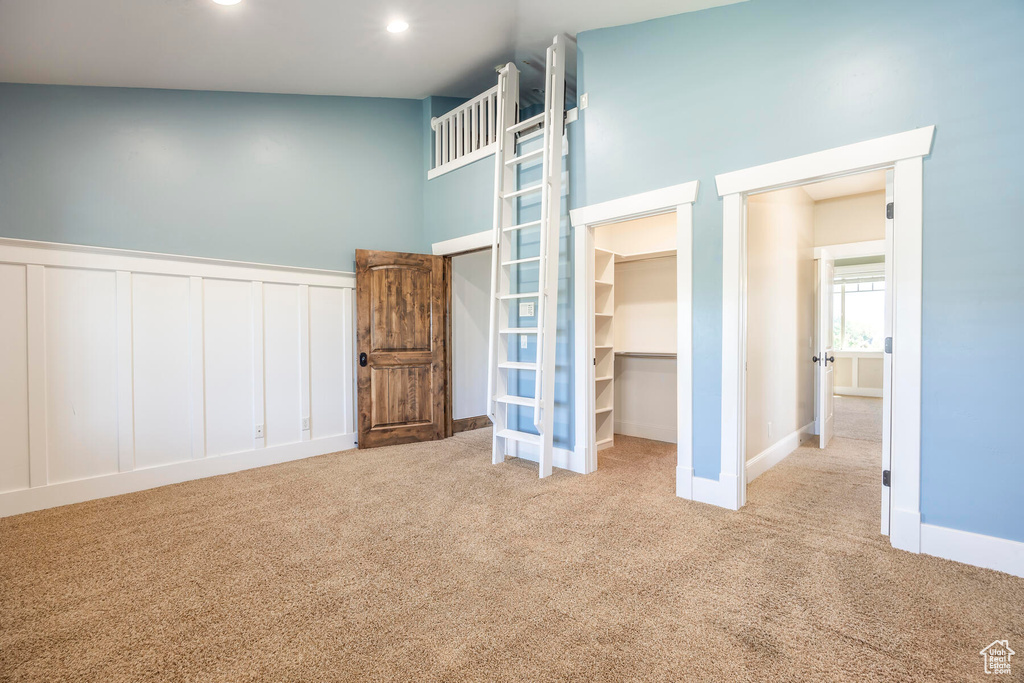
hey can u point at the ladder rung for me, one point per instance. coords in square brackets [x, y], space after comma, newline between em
[521, 295]
[525, 156]
[519, 436]
[517, 400]
[516, 262]
[524, 191]
[522, 226]
[528, 123]
[514, 365]
[519, 330]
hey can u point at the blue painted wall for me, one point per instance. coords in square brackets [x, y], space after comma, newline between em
[281, 179]
[687, 97]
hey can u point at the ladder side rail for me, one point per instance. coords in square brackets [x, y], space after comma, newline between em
[553, 141]
[545, 202]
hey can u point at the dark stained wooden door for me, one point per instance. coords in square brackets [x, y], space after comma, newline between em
[400, 342]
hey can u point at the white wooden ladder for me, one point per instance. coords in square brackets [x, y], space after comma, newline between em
[524, 267]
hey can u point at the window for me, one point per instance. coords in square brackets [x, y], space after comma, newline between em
[859, 308]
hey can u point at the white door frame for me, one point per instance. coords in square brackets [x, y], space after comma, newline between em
[678, 199]
[905, 153]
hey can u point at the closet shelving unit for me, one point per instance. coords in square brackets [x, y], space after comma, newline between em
[604, 351]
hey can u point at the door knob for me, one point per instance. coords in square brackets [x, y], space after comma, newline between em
[830, 359]
[362, 359]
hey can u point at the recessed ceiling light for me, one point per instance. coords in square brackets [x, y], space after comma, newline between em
[397, 26]
[227, 2]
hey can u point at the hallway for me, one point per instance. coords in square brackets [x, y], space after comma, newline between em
[858, 417]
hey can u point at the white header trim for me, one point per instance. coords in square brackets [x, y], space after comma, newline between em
[636, 206]
[855, 158]
[457, 245]
[853, 249]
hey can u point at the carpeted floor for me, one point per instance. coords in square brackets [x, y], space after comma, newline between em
[426, 562]
[858, 417]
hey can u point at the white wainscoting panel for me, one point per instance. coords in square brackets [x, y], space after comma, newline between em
[281, 362]
[81, 373]
[331, 318]
[228, 352]
[14, 469]
[127, 370]
[161, 368]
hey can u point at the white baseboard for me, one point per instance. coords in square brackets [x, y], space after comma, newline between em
[858, 391]
[721, 492]
[905, 529]
[684, 482]
[53, 495]
[975, 549]
[645, 431]
[774, 454]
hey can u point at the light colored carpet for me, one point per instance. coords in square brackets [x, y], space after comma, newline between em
[858, 417]
[426, 562]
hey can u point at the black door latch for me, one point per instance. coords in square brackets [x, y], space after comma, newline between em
[886, 478]
[362, 359]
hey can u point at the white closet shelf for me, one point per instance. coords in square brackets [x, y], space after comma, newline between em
[604, 283]
[603, 315]
[602, 442]
[645, 354]
[603, 347]
[603, 410]
[644, 255]
[606, 378]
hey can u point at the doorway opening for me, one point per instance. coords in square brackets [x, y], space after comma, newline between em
[817, 316]
[633, 271]
[469, 293]
[900, 478]
[635, 334]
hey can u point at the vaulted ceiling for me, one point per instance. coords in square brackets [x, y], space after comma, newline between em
[329, 47]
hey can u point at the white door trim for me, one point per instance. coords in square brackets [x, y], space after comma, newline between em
[853, 249]
[478, 240]
[677, 198]
[904, 152]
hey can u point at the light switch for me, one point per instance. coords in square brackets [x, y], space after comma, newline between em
[526, 309]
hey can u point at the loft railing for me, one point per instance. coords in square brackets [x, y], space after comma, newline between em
[466, 133]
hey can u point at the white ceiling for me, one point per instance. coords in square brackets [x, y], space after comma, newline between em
[871, 181]
[330, 47]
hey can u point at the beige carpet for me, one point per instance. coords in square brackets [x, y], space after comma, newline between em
[425, 562]
[858, 417]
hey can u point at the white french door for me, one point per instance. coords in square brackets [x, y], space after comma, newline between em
[825, 358]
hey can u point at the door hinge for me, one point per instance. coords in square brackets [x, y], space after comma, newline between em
[886, 478]
[888, 344]
[889, 210]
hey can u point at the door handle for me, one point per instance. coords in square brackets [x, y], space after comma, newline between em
[362, 359]
[830, 359]
[824, 359]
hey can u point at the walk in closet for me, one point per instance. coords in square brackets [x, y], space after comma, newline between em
[635, 330]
